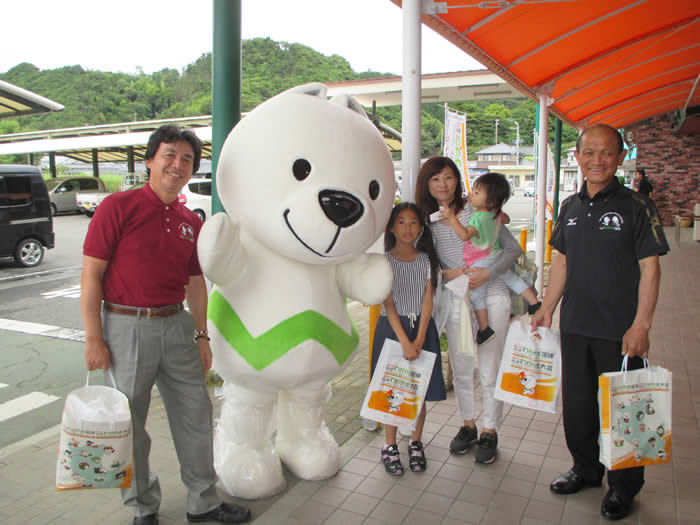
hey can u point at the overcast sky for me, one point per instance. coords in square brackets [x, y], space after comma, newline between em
[123, 35]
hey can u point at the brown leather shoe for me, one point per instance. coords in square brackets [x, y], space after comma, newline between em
[571, 482]
[224, 513]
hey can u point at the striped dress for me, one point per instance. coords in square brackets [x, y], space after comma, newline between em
[408, 291]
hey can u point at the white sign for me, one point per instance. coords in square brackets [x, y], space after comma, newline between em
[455, 146]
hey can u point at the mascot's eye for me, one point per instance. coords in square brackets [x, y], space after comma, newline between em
[301, 169]
[373, 190]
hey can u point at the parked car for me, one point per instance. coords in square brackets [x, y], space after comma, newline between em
[88, 202]
[196, 195]
[529, 191]
[63, 191]
[26, 225]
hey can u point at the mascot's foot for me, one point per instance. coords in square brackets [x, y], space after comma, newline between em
[311, 458]
[244, 456]
[248, 473]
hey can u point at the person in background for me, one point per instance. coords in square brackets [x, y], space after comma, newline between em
[642, 183]
[139, 264]
[607, 271]
[439, 182]
[407, 318]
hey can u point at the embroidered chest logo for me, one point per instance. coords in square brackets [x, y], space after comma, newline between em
[186, 232]
[571, 221]
[611, 221]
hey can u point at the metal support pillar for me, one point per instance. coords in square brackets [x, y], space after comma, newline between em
[130, 164]
[541, 191]
[557, 168]
[95, 163]
[410, 99]
[226, 81]
[52, 164]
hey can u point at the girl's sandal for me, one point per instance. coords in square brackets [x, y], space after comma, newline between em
[391, 460]
[416, 457]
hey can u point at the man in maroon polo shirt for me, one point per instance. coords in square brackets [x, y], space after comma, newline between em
[140, 263]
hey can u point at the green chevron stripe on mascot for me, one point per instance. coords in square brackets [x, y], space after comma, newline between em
[308, 186]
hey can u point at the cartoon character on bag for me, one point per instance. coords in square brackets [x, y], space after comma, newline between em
[529, 381]
[395, 399]
[308, 184]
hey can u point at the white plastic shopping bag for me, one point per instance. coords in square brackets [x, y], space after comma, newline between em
[398, 386]
[95, 449]
[635, 416]
[530, 371]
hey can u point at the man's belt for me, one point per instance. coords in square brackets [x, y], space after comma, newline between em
[146, 313]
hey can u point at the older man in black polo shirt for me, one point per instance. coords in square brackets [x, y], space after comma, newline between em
[609, 240]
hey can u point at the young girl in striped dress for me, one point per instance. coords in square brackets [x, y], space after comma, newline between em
[406, 318]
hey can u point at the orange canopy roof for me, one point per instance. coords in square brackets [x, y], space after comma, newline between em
[611, 61]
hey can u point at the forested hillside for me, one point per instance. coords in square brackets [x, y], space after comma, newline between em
[98, 97]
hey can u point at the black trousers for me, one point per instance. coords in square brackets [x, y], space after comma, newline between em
[583, 360]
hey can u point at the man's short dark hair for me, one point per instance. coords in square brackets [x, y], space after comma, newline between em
[169, 134]
[642, 172]
[618, 136]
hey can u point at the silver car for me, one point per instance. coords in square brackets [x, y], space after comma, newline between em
[63, 191]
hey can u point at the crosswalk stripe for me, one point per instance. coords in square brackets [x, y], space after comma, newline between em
[23, 404]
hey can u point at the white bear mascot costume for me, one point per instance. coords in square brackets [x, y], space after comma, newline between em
[308, 184]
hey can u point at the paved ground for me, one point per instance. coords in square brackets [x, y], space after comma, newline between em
[453, 490]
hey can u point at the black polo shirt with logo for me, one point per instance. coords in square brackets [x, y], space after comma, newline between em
[603, 239]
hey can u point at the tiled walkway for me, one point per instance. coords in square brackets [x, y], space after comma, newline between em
[454, 490]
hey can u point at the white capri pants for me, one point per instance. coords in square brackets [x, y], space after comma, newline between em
[489, 356]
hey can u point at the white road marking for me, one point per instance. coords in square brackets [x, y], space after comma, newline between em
[2, 385]
[73, 292]
[23, 404]
[47, 330]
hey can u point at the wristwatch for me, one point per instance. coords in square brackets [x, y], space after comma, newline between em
[201, 334]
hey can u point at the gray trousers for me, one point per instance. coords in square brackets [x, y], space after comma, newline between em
[161, 351]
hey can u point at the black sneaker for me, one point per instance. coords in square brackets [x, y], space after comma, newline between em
[532, 308]
[416, 457]
[486, 448]
[392, 461]
[485, 335]
[464, 440]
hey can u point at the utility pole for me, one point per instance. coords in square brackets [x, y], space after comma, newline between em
[517, 142]
[495, 135]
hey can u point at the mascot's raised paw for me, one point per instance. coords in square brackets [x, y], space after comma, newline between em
[309, 186]
[221, 256]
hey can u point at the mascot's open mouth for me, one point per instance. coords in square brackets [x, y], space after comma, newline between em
[335, 238]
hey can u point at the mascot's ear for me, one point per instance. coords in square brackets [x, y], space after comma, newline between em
[315, 89]
[349, 102]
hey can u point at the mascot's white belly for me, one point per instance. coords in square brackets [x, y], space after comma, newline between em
[308, 185]
[300, 341]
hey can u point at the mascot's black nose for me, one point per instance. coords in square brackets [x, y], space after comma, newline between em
[340, 207]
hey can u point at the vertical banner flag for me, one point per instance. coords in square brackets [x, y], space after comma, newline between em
[455, 146]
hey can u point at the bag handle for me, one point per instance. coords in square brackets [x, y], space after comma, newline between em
[624, 363]
[111, 375]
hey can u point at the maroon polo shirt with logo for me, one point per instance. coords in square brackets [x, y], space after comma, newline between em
[151, 248]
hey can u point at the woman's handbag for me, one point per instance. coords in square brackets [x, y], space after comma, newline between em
[530, 371]
[635, 416]
[398, 386]
[95, 449]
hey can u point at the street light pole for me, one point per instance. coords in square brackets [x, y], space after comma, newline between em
[495, 135]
